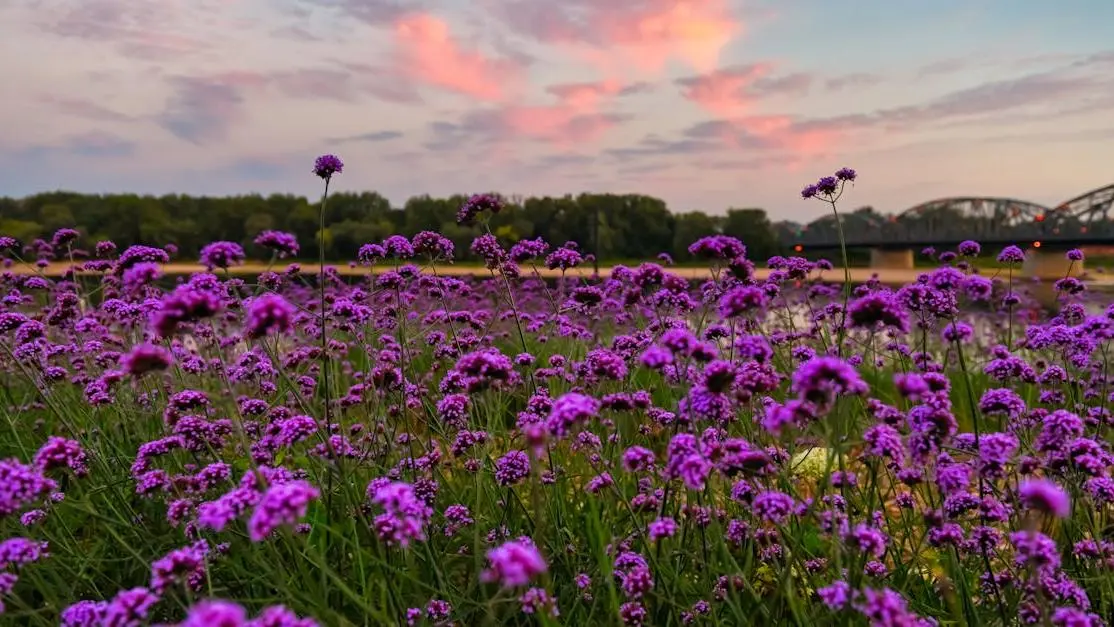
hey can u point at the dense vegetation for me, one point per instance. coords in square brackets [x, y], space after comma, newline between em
[630, 227]
[404, 448]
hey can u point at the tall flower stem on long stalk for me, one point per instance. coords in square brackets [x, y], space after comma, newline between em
[321, 294]
[325, 167]
[829, 189]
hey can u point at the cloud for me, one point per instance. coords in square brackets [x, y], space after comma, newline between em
[579, 114]
[724, 92]
[735, 89]
[376, 136]
[372, 12]
[202, 109]
[165, 29]
[558, 124]
[852, 81]
[618, 34]
[1082, 86]
[733, 94]
[86, 109]
[93, 144]
[428, 53]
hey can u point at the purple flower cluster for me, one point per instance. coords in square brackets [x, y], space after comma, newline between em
[405, 515]
[758, 444]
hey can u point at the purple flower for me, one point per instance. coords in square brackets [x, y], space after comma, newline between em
[137, 254]
[269, 313]
[405, 515]
[60, 452]
[1035, 549]
[398, 247]
[512, 468]
[62, 237]
[185, 564]
[216, 613]
[846, 174]
[282, 504]
[529, 249]
[185, 304]
[741, 300]
[1011, 254]
[969, 248]
[821, 380]
[326, 166]
[661, 528]
[827, 185]
[18, 552]
[435, 245]
[84, 614]
[141, 274]
[569, 410]
[129, 608]
[637, 458]
[957, 332]
[146, 358]
[1075, 255]
[773, 506]
[284, 244]
[563, 258]
[836, 596]
[476, 205]
[222, 255]
[1045, 496]
[878, 308]
[717, 247]
[513, 564]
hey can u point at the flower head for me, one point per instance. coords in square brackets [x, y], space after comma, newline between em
[515, 563]
[327, 165]
[1045, 496]
[477, 204]
[1011, 254]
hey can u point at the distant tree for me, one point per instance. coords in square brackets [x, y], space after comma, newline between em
[753, 228]
[628, 227]
[689, 228]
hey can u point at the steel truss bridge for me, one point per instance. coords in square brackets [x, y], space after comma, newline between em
[945, 222]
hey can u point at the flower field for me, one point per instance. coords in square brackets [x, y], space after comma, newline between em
[402, 447]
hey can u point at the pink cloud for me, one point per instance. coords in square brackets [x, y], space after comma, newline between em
[652, 33]
[732, 95]
[725, 92]
[579, 115]
[620, 34]
[585, 95]
[429, 53]
[558, 124]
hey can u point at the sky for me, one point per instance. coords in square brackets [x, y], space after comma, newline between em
[707, 104]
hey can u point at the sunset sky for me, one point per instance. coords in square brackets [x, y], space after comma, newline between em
[705, 103]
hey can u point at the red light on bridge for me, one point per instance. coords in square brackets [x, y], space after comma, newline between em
[1040, 217]
[1036, 244]
[798, 248]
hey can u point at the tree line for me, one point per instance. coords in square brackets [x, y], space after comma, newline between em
[621, 227]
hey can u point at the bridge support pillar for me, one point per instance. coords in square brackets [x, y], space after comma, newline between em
[883, 258]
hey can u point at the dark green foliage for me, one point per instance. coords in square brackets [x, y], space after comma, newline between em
[629, 226]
